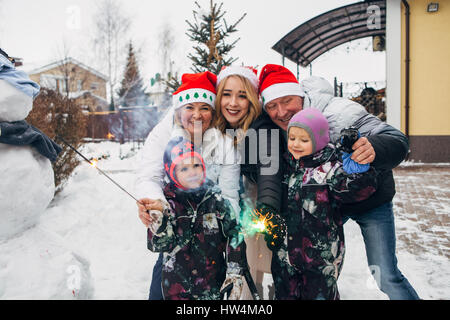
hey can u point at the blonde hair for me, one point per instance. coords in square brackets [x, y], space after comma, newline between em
[254, 108]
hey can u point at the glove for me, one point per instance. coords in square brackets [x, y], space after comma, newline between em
[234, 281]
[348, 137]
[351, 166]
[157, 221]
[275, 231]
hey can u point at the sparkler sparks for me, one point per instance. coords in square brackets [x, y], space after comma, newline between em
[263, 222]
[259, 222]
[94, 162]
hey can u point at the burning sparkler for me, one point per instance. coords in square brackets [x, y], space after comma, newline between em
[110, 136]
[94, 164]
[264, 221]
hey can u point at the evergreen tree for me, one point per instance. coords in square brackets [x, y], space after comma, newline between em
[209, 30]
[132, 91]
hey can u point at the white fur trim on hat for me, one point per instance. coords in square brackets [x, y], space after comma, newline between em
[238, 70]
[194, 95]
[278, 90]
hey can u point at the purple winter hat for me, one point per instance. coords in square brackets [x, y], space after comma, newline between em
[315, 123]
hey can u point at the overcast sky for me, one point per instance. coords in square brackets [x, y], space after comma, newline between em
[36, 31]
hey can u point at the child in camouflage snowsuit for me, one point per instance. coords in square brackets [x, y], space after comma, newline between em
[202, 243]
[309, 261]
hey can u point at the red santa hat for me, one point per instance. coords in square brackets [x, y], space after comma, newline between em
[276, 81]
[196, 87]
[247, 72]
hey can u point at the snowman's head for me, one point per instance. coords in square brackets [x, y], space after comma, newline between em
[17, 92]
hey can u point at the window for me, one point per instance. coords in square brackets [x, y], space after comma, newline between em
[48, 81]
[79, 85]
[94, 85]
[62, 85]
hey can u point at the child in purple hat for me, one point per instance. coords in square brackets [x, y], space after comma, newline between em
[308, 262]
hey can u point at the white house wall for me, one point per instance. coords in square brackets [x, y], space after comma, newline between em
[393, 63]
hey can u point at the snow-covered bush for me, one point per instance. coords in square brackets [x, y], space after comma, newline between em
[59, 116]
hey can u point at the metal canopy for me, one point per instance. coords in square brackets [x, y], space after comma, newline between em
[330, 29]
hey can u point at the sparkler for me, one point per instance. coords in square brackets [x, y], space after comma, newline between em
[265, 222]
[94, 164]
[260, 222]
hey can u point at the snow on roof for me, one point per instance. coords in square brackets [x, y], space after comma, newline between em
[77, 94]
[64, 61]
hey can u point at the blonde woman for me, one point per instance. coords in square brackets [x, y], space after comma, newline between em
[237, 103]
[238, 110]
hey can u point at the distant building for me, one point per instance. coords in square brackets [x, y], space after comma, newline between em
[75, 80]
[418, 84]
[158, 95]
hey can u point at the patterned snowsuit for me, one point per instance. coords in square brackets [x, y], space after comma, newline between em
[198, 237]
[309, 261]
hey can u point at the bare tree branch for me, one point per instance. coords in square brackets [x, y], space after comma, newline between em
[110, 33]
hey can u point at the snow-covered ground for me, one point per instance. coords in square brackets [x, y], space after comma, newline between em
[106, 255]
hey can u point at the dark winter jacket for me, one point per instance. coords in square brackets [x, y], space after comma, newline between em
[268, 185]
[314, 248]
[198, 237]
[391, 146]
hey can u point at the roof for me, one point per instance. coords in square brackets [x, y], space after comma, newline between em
[68, 60]
[320, 34]
[77, 94]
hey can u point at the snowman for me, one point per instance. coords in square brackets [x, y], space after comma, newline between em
[34, 263]
[27, 176]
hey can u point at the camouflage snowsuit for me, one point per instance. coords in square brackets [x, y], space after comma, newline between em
[198, 236]
[309, 262]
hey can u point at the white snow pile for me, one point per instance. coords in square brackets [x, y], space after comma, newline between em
[90, 244]
[33, 261]
[26, 190]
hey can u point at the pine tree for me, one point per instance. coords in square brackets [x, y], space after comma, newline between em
[210, 34]
[209, 30]
[132, 91]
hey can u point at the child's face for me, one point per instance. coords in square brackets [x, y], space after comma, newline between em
[299, 142]
[189, 173]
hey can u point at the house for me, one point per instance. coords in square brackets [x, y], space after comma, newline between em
[75, 80]
[418, 75]
[415, 35]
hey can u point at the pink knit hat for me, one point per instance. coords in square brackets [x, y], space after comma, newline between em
[315, 123]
